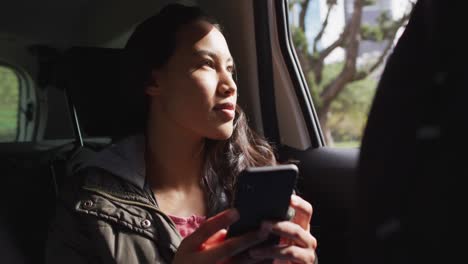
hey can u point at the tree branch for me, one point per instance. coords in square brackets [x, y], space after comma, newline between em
[322, 30]
[349, 69]
[318, 58]
[338, 43]
[364, 73]
[302, 14]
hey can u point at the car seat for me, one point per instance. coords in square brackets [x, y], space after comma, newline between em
[101, 105]
[101, 110]
[409, 195]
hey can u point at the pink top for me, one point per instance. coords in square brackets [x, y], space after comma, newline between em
[186, 225]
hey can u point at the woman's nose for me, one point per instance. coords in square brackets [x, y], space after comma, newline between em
[228, 89]
[227, 86]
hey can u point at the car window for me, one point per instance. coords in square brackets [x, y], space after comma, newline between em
[342, 46]
[9, 103]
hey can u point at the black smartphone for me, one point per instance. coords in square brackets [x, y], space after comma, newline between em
[263, 193]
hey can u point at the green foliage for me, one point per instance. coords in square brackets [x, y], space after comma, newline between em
[299, 39]
[9, 99]
[368, 2]
[330, 72]
[386, 24]
[315, 90]
[347, 144]
[372, 33]
[384, 18]
[348, 113]
[350, 110]
[291, 3]
[383, 29]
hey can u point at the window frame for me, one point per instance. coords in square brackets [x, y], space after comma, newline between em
[289, 87]
[27, 101]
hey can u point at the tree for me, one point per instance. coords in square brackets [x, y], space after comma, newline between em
[9, 99]
[325, 91]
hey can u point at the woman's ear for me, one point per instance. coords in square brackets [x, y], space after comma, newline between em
[152, 88]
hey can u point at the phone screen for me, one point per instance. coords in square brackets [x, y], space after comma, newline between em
[263, 193]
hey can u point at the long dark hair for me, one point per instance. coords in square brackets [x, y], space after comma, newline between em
[225, 159]
[150, 47]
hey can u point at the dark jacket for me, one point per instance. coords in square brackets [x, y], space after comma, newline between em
[108, 214]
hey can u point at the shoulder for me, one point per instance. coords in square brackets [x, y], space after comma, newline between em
[93, 219]
[95, 202]
[100, 182]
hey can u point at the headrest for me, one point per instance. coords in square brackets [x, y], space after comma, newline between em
[94, 79]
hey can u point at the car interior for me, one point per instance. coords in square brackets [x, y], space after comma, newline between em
[372, 204]
[409, 165]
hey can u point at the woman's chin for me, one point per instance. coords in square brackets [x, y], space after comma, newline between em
[221, 134]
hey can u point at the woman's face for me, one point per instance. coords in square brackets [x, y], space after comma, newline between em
[195, 89]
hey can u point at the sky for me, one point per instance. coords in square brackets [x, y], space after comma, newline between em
[316, 15]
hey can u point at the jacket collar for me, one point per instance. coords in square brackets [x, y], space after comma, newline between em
[124, 159]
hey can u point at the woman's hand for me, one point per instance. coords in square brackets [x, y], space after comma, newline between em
[298, 245]
[208, 244]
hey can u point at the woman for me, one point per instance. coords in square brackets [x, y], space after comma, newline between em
[159, 197]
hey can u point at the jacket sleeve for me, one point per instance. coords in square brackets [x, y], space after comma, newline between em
[69, 241]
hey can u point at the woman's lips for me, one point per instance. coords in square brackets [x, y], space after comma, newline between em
[228, 106]
[227, 110]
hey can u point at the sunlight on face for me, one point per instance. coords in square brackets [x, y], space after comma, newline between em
[197, 90]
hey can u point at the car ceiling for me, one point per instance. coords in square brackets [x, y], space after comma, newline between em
[44, 20]
[72, 21]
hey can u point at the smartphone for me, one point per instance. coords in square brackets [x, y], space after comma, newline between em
[263, 193]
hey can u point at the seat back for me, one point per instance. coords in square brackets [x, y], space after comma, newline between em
[409, 202]
[94, 79]
[102, 110]
[101, 103]
[27, 200]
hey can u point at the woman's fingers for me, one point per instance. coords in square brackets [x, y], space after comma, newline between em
[293, 233]
[236, 245]
[214, 240]
[303, 212]
[209, 241]
[211, 227]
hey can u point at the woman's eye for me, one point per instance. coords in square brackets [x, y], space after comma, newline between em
[232, 70]
[208, 63]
